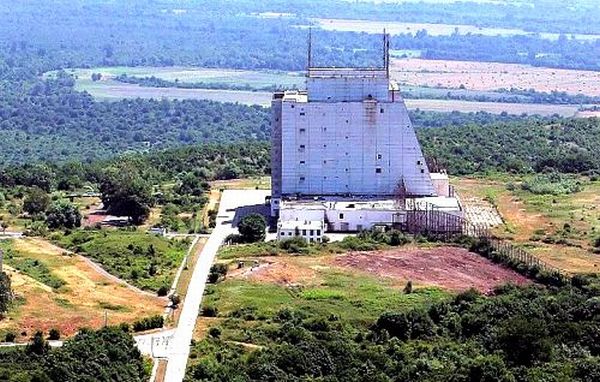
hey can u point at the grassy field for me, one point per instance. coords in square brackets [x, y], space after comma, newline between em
[560, 229]
[425, 77]
[146, 261]
[311, 284]
[253, 79]
[376, 27]
[109, 90]
[81, 301]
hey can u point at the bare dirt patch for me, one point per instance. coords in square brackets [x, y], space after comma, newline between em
[446, 267]
[283, 271]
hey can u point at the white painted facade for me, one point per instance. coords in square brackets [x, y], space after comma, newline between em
[310, 230]
[349, 134]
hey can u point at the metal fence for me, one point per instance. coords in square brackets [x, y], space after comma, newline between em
[428, 221]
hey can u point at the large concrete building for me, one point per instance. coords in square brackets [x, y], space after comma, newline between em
[346, 138]
[348, 134]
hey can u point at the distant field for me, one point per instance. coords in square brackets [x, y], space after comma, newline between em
[373, 26]
[255, 79]
[492, 76]
[420, 76]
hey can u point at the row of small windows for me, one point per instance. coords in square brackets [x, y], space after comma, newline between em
[311, 232]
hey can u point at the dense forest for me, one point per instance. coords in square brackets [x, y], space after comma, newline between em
[108, 354]
[567, 145]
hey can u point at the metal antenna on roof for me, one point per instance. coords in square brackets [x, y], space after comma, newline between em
[386, 53]
[309, 62]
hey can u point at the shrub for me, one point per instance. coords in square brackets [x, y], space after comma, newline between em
[54, 334]
[153, 322]
[10, 337]
[210, 311]
[408, 289]
[214, 332]
[216, 272]
[162, 291]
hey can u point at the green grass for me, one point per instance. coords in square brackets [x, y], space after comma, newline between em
[147, 261]
[354, 298]
[252, 78]
[33, 268]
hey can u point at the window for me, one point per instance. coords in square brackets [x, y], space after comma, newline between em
[324, 162]
[292, 106]
[422, 171]
[303, 113]
[381, 110]
[302, 130]
[312, 232]
[303, 232]
[418, 162]
[325, 145]
[379, 156]
[302, 147]
[378, 170]
[318, 232]
[341, 216]
[302, 162]
[302, 179]
[346, 170]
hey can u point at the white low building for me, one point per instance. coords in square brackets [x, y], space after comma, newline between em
[310, 230]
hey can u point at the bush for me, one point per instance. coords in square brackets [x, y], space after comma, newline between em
[148, 323]
[162, 291]
[10, 337]
[54, 334]
[214, 332]
[63, 215]
[210, 311]
[216, 272]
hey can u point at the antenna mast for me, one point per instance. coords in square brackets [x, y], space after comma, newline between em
[386, 52]
[309, 62]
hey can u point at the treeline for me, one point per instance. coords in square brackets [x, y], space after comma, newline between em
[525, 334]
[108, 354]
[573, 16]
[563, 145]
[207, 162]
[155, 82]
[217, 34]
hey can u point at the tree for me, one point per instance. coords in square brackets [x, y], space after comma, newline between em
[6, 293]
[63, 215]
[36, 201]
[38, 345]
[126, 193]
[253, 228]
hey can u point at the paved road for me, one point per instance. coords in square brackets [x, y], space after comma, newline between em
[179, 345]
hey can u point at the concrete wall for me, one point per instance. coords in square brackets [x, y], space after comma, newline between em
[357, 220]
[360, 148]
